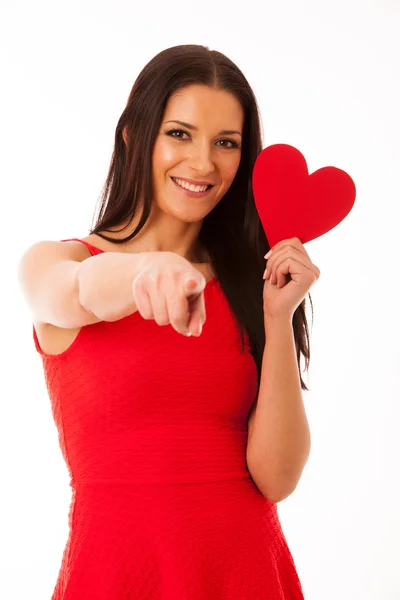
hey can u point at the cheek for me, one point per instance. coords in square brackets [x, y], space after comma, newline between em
[164, 155]
[229, 171]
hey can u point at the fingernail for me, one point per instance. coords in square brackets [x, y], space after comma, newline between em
[268, 254]
[189, 333]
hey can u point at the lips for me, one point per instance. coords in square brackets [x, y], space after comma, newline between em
[191, 193]
[192, 181]
[174, 179]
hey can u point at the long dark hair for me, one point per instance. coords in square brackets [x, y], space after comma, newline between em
[232, 233]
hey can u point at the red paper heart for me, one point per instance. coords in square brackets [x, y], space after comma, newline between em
[292, 203]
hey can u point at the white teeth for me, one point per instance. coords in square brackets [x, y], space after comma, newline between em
[191, 187]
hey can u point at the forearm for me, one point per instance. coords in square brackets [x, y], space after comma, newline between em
[105, 283]
[279, 441]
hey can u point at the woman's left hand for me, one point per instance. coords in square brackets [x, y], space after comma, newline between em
[292, 274]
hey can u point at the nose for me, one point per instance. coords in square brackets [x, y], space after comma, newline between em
[200, 159]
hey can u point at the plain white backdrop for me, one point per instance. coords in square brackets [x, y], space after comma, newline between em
[326, 76]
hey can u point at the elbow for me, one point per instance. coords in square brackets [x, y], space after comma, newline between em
[276, 483]
[277, 494]
[274, 488]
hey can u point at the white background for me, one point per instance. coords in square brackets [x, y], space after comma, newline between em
[326, 76]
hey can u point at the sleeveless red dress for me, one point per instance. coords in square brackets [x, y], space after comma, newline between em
[153, 429]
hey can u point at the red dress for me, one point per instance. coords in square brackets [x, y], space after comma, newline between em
[153, 429]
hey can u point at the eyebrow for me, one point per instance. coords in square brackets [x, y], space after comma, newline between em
[222, 132]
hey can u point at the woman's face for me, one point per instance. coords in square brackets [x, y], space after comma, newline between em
[201, 150]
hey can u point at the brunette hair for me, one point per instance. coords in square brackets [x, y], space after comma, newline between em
[232, 233]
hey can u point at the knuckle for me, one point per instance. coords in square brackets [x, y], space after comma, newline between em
[137, 282]
[156, 279]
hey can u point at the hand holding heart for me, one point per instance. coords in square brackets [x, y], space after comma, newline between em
[288, 277]
[294, 205]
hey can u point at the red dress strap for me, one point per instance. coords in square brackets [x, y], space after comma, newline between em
[92, 249]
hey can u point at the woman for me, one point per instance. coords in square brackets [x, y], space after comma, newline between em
[168, 502]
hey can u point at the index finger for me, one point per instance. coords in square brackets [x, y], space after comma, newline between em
[197, 313]
[295, 242]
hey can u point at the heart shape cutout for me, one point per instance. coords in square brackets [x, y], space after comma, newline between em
[293, 203]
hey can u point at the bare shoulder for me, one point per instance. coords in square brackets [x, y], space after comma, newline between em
[35, 265]
[44, 252]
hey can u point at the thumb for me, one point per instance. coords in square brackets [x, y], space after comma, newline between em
[193, 287]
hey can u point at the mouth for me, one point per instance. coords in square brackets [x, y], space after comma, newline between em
[192, 192]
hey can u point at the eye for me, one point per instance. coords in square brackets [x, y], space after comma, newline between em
[175, 131]
[234, 144]
[172, 131]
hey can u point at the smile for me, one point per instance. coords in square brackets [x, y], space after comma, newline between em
[191, 190]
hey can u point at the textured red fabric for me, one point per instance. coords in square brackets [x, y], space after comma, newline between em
[153, 429]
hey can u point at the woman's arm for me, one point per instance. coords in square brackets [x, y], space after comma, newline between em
[279, 440]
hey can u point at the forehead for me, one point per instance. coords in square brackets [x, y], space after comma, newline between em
[205, 107]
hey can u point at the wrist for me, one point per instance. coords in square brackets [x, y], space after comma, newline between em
[281, 321]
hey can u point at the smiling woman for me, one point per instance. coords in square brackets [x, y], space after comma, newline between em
[199, 156]
[154, 426]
